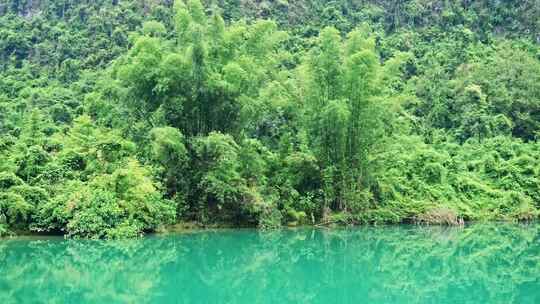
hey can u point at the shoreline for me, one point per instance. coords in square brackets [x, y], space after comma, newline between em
[192, 227]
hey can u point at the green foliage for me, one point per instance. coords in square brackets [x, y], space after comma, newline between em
[139, 114]
[125, 203]
[270, 218]
[478, 181]
[218, 172]
[8, 180]
[342, 119]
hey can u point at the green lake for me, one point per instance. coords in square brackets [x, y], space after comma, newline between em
[482, 263]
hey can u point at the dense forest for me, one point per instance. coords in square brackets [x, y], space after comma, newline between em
[119, 118]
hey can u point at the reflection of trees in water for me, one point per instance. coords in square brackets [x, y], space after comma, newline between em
[415, 264]
[65, 271]
[388, 264]
[481, 263]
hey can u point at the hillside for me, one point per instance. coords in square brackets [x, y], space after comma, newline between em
[123, 117]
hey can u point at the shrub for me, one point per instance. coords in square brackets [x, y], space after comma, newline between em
[32, 162]
[8, 180]
[218, 179]
[124, 203]
[96, 213]
[270, 218]
[15, 209]
[31, 194]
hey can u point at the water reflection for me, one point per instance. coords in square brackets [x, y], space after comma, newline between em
[496, 263]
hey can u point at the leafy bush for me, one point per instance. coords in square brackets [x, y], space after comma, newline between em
[270, 218]
[472, 183]
[8, 180]
[15, 209]
[124, 203]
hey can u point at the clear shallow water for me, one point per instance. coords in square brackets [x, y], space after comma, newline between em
[496, 263]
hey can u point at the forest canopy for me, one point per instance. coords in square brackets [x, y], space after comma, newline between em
[119, 118]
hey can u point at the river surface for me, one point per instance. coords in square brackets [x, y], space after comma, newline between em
[482, 263]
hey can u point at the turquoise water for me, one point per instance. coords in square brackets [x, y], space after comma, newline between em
[496, 263]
